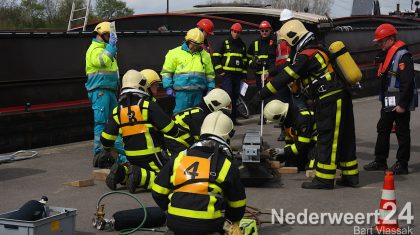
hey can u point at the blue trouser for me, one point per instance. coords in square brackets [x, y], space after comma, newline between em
[187, 99]
[103, 102]
[231, 83]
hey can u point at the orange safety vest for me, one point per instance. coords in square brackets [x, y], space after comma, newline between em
[390, 54]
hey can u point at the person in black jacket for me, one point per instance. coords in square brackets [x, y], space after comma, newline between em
[139, 119]
[396, 72]
[194, 187]
[334, 118]
[230, 63]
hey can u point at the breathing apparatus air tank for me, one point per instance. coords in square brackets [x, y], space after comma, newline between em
[345, 63]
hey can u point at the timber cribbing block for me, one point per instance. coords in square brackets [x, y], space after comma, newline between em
[100, 174]
[81, 183]
[288, 170]
[311, 174]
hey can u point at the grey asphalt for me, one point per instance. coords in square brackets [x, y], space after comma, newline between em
[30, 179]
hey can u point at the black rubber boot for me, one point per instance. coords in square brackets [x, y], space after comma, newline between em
[399, 168]
[317, 184]
[116, 176]
[348, 181]
[134, 174]
[375, 166]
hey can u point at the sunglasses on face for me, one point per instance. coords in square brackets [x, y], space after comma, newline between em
[264, 30]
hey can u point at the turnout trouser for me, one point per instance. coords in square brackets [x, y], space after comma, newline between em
[336, 137]
[231, 83]
[385, 123]
[149, 167]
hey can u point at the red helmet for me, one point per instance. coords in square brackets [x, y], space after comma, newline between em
[236, 27]
[265, 25]
[206, 25]
[383, 31]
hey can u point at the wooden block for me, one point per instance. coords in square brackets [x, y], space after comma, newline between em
[100, 174]
[81, 183]
[288, 170]
[275, 164]
[310, 173]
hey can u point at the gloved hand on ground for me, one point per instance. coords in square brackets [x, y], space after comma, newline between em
[277, 154]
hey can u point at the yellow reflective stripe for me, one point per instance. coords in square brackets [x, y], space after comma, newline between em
[304, 139]
[181, 139]
[151, 180]
[294, 149]
[159, 189]
[336, 131]
[179, 120]
[145, 110]
[315, 138]
[325, 176]
[271, 88]
[194, 214]
[291, 73]
[263, 57]
[143, 177]
[330, 93]
[108, 136]
[237, 204]
[320, 60]
[227, 61]
[223, 172]
[232, 54]
[307, 113]
[218, 66]
[348, 164]
[154, 167]
[256, 46]
[176, 165]
[326, 166]
[168, 127]
[311, 163]
[328, 77]
[350, 172]
[133, 153]
[116, 119]
[232, 69]
[217, 54]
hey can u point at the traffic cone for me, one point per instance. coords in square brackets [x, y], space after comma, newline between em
[388, 205]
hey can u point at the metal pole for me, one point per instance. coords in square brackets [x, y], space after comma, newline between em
[71, 16]
[167, 6]
[262, 103]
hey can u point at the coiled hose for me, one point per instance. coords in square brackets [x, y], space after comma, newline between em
[138, 228]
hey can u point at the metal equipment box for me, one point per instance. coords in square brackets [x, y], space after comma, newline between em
[251, 146]
[61, 221]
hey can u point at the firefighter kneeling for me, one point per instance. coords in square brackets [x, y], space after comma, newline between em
[300, 130]
[201, 181]
[140, 120]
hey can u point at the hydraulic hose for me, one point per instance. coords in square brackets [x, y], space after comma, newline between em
[138, 228]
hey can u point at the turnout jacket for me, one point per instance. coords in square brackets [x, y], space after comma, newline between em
[187, 71]
[230, 57]
[265, 51]
[312, 70]
[101, 66]
[198, 184]
[301, 132]
[139, 120]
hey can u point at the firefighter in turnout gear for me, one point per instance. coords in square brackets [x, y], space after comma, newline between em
[200, 182]
[398, 97]
[139, 120]
[334, 118]
[262, 52]
[230, 63]
[301, 133]
[189, 121]
[102, 85]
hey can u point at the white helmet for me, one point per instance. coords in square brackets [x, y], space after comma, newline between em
[134, 79]
[293, 31]
[286, 14]
[217, 99]
[276, 110]
[218, 124]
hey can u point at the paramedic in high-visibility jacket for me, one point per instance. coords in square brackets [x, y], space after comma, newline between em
[188, 72]
[194, 187]
[102, 85]
[312, 69]
[141, 123]
[398, 96]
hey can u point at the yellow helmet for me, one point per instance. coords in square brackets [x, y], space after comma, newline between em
[276, 110]
[101, 28]
[292, 31]
[134, 79]
[195, 35]
[218, 124]
[217, 99]
[151, 76]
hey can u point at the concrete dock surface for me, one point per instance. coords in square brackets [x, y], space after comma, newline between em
[46, 174]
